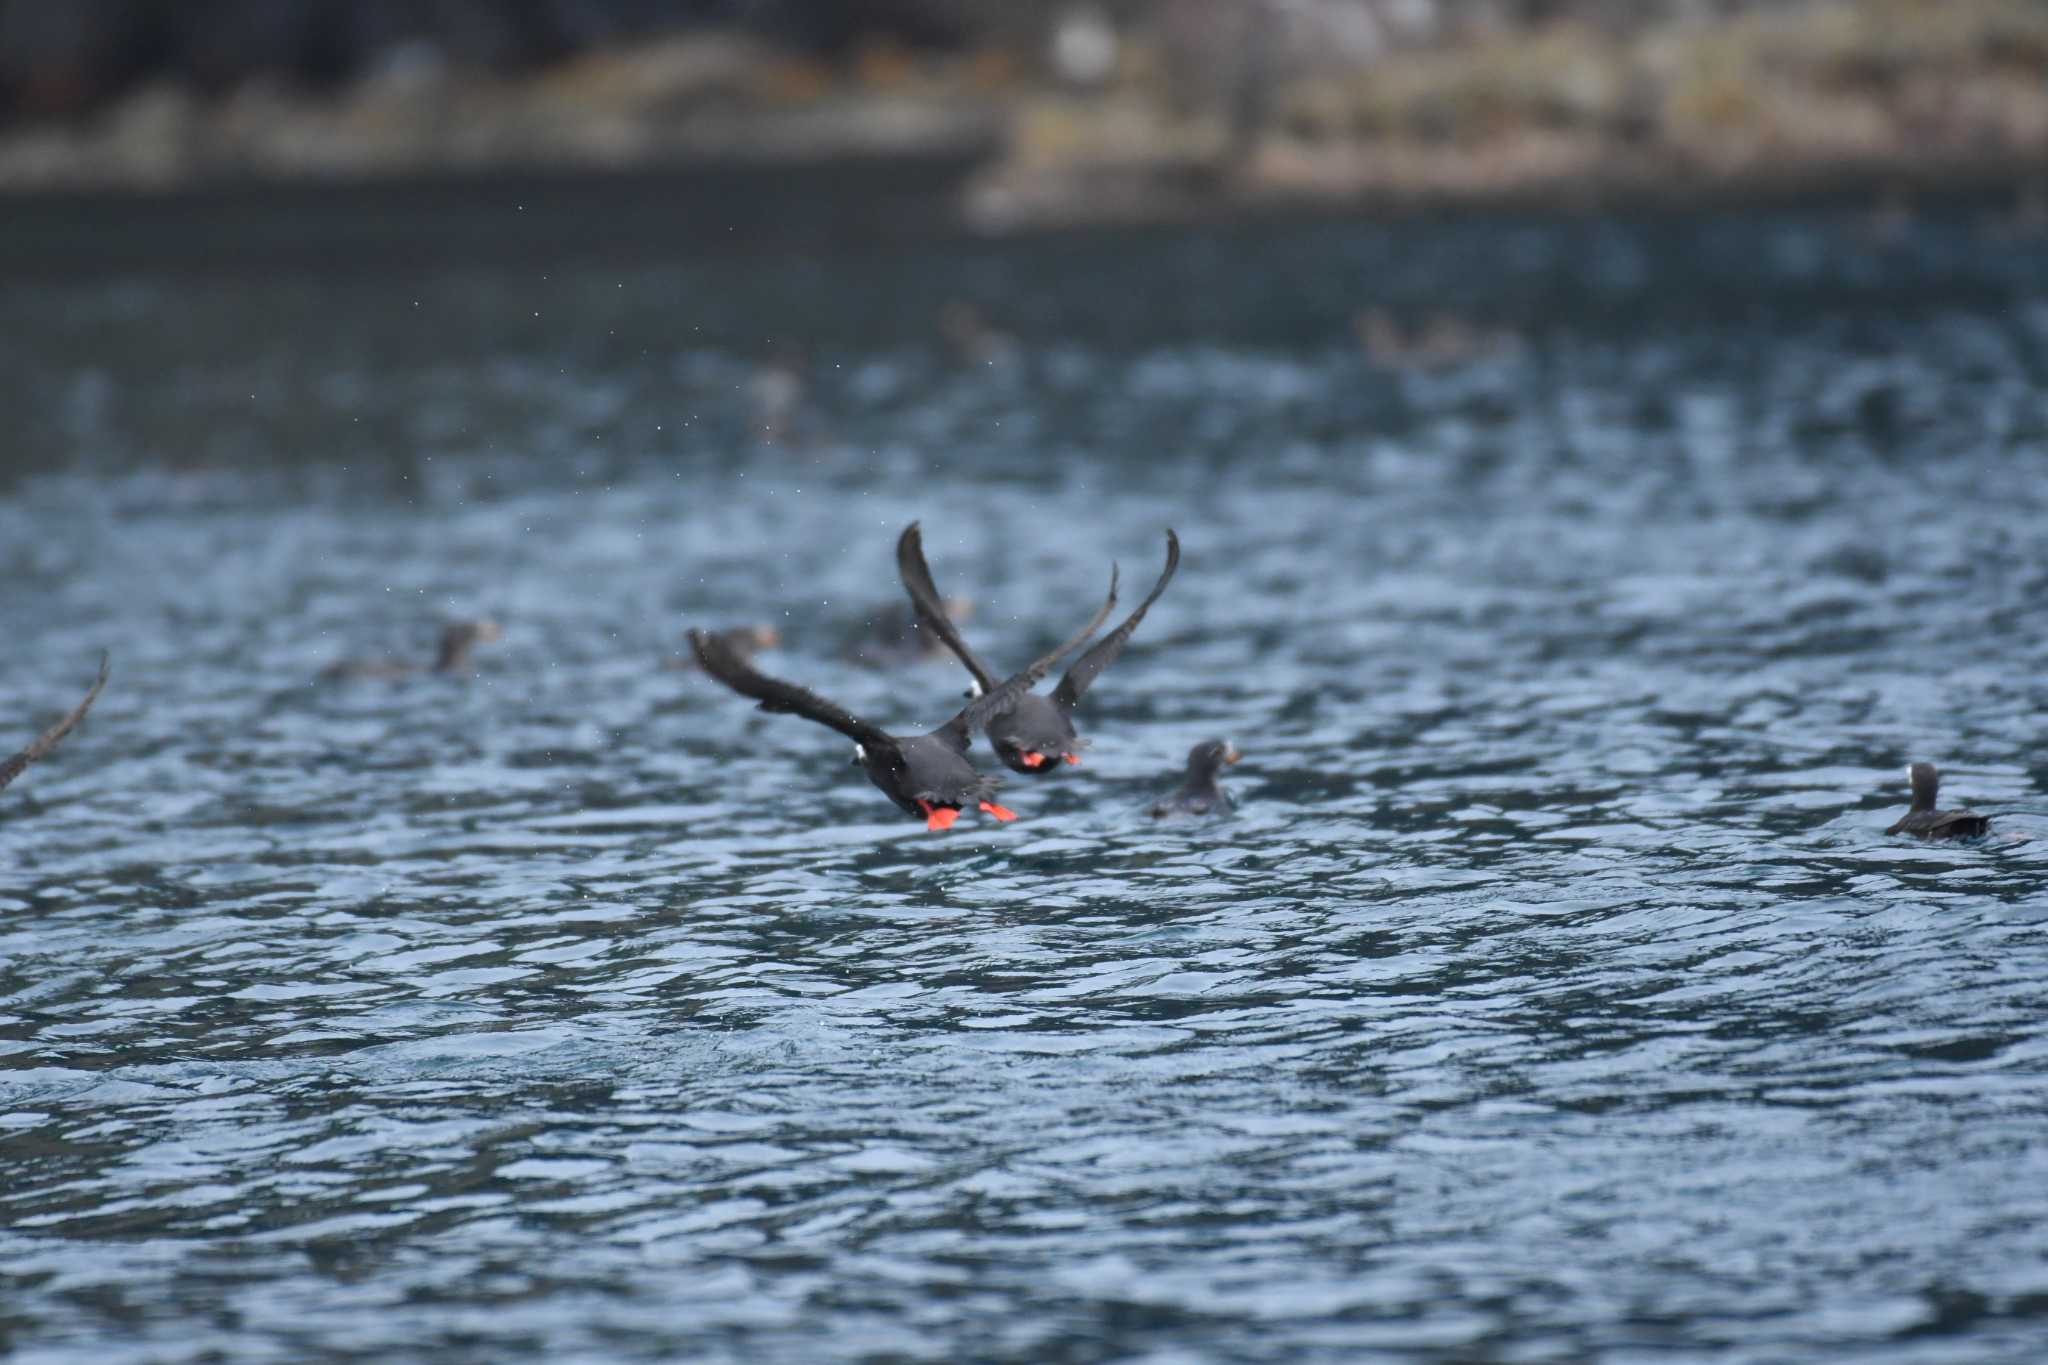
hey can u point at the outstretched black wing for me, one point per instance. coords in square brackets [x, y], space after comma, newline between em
[48, 739]
[1003, 696]
[1068, 693]
[722, 661]
[931, 608]
[1027, 679]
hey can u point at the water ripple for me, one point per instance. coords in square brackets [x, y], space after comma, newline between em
[1554, 993]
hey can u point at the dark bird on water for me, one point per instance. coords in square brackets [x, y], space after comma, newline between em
[457, 640]
[746, 641]
[1925, 822]
[1033, 734]
[50, 738]
[927, 776]
[889, 635]
[1200, 793]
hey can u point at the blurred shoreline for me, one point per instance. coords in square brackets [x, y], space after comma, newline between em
[1084, 122]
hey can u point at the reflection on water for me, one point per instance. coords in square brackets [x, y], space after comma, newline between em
[1553, 992]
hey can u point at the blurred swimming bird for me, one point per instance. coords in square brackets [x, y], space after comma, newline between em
[970, 338]
[457, 640]
[49, 739]
[1925, 822]
[745, 641]
[1439, 341]
[889, 635]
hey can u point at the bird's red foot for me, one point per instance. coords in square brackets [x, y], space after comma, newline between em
[1074, 759]
[1031, 758]
[938, 817]
[1000, 812]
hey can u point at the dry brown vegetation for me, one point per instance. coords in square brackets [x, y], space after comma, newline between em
[1877, 93]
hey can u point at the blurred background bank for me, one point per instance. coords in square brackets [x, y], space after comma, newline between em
[1003, 114]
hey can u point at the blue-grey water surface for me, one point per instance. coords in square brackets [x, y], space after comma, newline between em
[1553, 995]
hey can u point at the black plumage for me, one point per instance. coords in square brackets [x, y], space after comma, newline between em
[1200, 793]
[927, 776]
[1032, 733]
[1925, 822]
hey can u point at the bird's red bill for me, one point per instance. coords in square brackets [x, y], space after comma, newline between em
[939, 817]
[1000, 812]
[1031, 758]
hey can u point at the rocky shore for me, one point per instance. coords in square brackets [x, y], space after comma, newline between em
[1145, 112]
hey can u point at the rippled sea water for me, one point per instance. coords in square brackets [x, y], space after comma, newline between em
[1553, 995]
